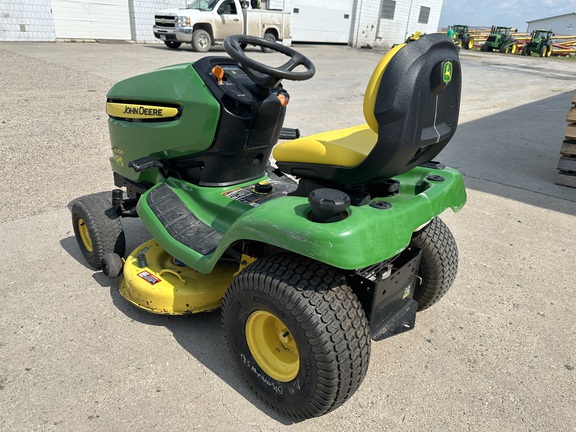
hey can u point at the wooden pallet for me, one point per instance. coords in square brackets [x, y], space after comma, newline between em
[567, 162]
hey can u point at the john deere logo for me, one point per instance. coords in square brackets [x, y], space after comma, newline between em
[447, 72]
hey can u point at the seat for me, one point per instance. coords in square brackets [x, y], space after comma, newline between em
[411, 107]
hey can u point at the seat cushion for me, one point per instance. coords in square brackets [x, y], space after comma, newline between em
[342, 147]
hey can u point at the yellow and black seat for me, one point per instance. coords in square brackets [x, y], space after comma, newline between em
[411, 110]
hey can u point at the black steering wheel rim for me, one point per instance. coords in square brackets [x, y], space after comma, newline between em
[272, 75]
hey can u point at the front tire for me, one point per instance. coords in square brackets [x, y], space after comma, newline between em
[297, 333]
[201, 41]
[439, 263]
[172, 44]
[543, 51]
[97, 228]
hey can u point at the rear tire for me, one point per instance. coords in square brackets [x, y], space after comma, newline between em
[297, 333]
[201, 41]
[172, 44]
[469, 44]
[549, 51]
[97, 228]
[439, 263]
[484, 48]
[270, 38]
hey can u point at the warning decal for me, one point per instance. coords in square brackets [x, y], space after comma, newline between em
[150, 278]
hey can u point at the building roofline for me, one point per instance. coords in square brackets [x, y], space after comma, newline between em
[555, 16]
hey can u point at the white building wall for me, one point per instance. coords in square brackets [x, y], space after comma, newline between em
[564, 25]
[372, 31]
[26, 20]
[142, 16]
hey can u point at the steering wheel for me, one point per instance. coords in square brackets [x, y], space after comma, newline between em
[264, 75]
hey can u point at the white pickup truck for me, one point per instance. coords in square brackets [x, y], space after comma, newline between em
[203, 23]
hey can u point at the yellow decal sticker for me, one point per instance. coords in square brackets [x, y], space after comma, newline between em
[137, 111]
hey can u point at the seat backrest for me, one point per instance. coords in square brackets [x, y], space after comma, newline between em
[412, 101]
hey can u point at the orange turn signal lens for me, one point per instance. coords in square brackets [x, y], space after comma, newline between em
[218, 72]
[284, 99]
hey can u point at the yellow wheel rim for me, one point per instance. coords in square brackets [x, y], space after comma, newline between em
[470, 43]
[272, 346]
[513, 49]
[84, 235]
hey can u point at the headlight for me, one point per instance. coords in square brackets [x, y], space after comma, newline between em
[183, 21]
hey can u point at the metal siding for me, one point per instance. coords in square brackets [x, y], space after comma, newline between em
[561, 25]
[91, 19]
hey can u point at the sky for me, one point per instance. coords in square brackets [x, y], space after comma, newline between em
[505, 13]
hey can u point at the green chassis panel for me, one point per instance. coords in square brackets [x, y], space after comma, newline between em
[367, 236]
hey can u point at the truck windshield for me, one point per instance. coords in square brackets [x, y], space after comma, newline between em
[203, 5]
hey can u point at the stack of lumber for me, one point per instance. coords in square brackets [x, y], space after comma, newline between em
[567, 163]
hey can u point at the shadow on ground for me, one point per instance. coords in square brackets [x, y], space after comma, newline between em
[519, 148]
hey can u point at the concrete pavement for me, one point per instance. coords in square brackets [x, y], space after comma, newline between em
[497, 353]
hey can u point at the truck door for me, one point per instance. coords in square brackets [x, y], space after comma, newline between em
[229, 20]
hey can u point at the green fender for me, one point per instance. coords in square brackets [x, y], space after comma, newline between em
[367, 236]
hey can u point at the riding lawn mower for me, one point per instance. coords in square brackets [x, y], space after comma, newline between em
[310, 260]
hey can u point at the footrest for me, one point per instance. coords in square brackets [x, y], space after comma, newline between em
[180, 222]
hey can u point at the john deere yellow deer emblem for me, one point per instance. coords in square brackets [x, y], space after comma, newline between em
[447, 72]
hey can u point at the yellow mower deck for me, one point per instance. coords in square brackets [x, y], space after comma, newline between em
[164, 286]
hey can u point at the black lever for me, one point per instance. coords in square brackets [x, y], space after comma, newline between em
[289, 133]
[144, 164]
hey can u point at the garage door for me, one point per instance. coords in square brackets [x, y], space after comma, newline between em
[91, 19]
[322, 20]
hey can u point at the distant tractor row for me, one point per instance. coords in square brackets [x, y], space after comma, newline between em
[502, 40]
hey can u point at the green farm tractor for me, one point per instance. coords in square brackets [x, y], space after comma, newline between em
[540, 43]
[310, 260]
[462, 36]
[500, 40]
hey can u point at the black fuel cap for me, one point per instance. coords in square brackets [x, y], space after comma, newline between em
[328, 205]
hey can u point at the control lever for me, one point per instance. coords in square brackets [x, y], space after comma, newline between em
[144, 163]
[289, 133]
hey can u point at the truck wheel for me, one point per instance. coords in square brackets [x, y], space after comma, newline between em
[270, 38]
[297, 333]
[439, 263]
[201, 41]
[97, 229]
[173, 44]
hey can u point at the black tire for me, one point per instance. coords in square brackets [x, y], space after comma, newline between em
[271, 38]
[524, 50]
[439, 263]
[549, 50]
[484, 48]
[469, 43]
[173, 44]
[543, 50]
[112, 265]
[323, 331]
[201, 41]
[97, 228]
